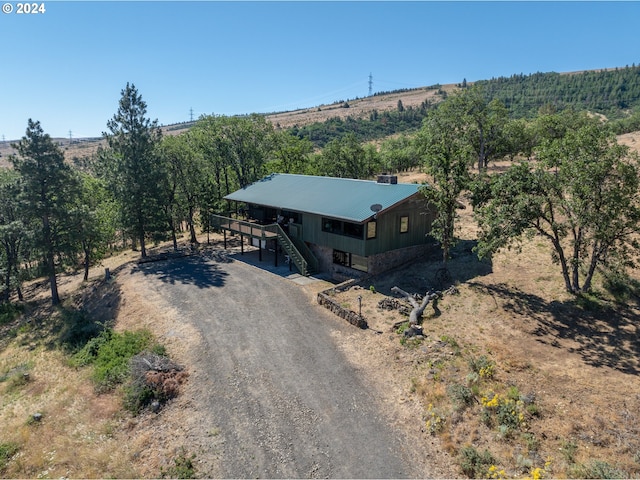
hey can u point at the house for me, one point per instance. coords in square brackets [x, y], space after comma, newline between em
[341, 226]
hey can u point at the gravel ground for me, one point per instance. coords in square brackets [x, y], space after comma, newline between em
[276, 397]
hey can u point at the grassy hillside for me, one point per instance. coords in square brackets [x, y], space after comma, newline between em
[614, 93]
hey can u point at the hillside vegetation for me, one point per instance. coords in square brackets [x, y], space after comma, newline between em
[529, 365]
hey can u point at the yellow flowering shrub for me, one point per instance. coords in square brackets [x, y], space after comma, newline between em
[435, 420]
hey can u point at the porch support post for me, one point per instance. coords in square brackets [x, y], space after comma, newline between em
[276, 251]
[260, 248]
[241, 244]
[224, 235]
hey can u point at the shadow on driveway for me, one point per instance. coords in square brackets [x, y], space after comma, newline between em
[195, 270]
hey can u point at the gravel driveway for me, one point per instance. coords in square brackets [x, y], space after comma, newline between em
[283, 399]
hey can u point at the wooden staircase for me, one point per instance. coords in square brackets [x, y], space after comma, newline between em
[299, 254]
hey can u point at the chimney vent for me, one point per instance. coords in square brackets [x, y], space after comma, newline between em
[388, 179]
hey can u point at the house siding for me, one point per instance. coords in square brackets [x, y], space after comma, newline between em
[388, 227]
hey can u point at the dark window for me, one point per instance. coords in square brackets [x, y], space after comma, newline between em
[331, 226]
[339, 227]
[341, 258]
[289, 215]
[353, 229]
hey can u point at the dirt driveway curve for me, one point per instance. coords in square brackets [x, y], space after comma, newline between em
[280, 396]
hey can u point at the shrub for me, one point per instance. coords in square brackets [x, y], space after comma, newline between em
[460, 395]
[600, 469]
[483, 366]
[153, 378]
[77, 329]
[508, 413]
[435, 420]
[9, 312]
[7, 450]
[109, 353]
[475, 464]
[182, 467]
[568, 448]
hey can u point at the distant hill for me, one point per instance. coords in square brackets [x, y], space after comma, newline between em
[614, 93]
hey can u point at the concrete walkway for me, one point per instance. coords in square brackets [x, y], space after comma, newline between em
[284, 270]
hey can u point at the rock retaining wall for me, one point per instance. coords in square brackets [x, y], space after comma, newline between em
[324, 299]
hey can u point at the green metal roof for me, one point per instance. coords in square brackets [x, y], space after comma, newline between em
[341, 198]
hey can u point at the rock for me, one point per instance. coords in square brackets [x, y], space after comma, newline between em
[155, 406]
[37, 417]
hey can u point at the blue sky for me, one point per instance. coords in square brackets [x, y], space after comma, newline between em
[66, 67]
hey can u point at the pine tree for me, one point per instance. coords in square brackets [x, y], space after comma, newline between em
[48, 187]
[134, 172]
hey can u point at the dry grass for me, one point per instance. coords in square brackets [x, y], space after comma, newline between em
[579, 360]
[83, 434]
[76, 436]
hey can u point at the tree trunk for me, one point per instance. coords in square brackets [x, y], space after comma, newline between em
[595, 258]
[143, 247]
[50, 260]
[174, 238]
[418, 308]
[192, 230]
[87, 259]
[563, 264]
[575, 267]
[55, 298]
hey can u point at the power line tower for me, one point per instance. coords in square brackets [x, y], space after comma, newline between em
[191, 114]
[70, 137]
[370, 84]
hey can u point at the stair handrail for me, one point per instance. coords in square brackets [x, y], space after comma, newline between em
[294, 254]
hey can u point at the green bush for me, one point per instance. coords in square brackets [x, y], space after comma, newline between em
[77, 329]
[483, 366]
[9, 312]
[460, 395]
[109, 354]
[137, 396]
[475, 464]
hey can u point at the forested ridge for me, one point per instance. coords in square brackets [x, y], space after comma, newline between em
[614, 93]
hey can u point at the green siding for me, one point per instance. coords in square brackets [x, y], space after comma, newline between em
[388, 236]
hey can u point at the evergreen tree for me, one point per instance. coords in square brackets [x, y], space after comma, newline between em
[48, 188]
[134, 171]
[14, 234]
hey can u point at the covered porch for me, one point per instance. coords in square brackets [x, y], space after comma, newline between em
[263, 237]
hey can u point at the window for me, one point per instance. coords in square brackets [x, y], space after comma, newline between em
[355, 230]
[289, 215]
[341, 258]
[371, 229]
[404, 224]
[350, 260]
[359, 263]
[331, 226]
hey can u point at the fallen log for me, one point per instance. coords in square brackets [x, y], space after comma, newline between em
[418, 308]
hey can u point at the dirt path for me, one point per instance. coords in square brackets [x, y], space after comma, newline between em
[271, 388]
